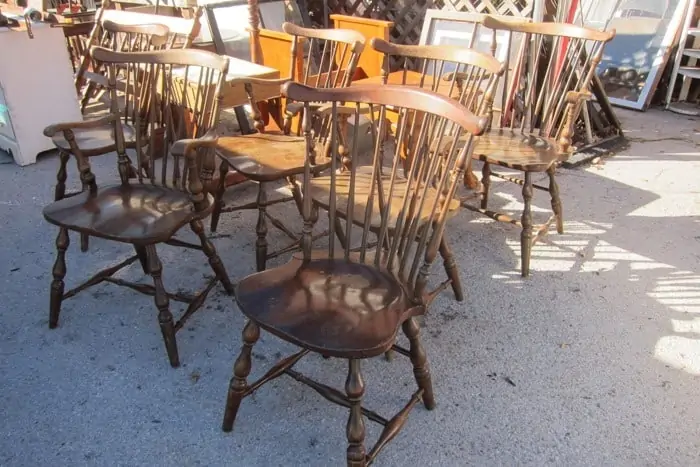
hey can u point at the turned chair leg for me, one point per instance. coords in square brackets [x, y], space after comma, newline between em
[241, 370]
[421, 369]
[214, 260]
[143, 257]
[59, 272]
[84, 242]
[165, 317]
[526, 221]
[355, 389]
[87, 93]
[219, 196]
[486, 184]
[556, 201]
[261, 229]
[451, 269]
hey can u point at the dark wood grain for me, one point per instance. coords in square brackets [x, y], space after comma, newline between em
[152, 204]
[351, 299]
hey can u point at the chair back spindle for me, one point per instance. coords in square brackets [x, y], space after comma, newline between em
[394, 221]
[179, 94]
[553, 70]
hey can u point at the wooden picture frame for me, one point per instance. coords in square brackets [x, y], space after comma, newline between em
[635, 59]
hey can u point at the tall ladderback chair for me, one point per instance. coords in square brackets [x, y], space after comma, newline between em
[180, 91]
[465, 75]
[349, 301]
[538, 112]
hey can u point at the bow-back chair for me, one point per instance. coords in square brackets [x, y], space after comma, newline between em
[182, 102]
[181, 33]
[534, 128]
[98, 140]
[468, 76]
[265, 157]
[350, 301]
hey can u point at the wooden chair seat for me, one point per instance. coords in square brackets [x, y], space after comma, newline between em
[320, 190]
[140, 213]
[95, 140]
[264, 157]
[526, 152]
[334, 306]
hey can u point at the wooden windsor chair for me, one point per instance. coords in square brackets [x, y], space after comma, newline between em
[96, 140]
[463, 74]
[181, 33]
[538, 112]
[155, 206]
[265, 157]
[350, 302]
[121, 38]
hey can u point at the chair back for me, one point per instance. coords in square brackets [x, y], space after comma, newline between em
[459, 72]
[405, 215]
[554, 66]
[179, 96]
[133, 37]
[331, 58]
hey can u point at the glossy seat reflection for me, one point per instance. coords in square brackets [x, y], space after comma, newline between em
[332, 305]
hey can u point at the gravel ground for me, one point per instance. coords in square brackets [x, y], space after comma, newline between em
[594, 360]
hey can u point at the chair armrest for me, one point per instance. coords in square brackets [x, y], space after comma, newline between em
[185, 147]
[51, 130]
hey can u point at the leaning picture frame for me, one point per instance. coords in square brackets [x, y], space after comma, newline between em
[226, 24]
[465, 29]
[456, 28]
[635, 59]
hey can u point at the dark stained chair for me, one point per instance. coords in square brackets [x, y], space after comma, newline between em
[163, 198]
[468, 76]
[121, 38]
[265, 157]
[540, 105]
[96, 140]
[350, 301]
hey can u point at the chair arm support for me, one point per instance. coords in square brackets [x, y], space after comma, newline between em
[185, 147]
[574, 97]
[326, 109]
[51, 130]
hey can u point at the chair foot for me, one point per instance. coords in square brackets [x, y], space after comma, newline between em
[355, 389]
[526, 222]
[261, 230]
[556, 200]
[165, 317]
[241, 370]
[421, 369]
[219, 196]
[451, 269]
[143, 257]
[485, 185]
[214, 260]
[84, 242]
[59, 273]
